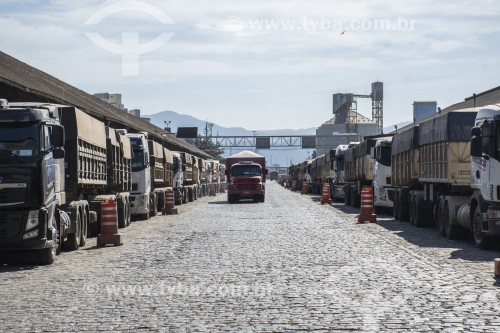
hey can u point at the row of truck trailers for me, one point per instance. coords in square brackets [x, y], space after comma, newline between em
[443, 172]
[58, 164]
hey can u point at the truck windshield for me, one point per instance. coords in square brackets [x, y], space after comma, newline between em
[246, 170]
[138, 161]
[20, 141]
[385, 155]
[497, 140]
[176, 165]
[340, 163]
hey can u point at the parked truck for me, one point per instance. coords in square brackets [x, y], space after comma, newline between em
[368, 164]
[142, 196]
[454, 185]
[338, 182]
[54, 161]
[204, 175]
[246, 173]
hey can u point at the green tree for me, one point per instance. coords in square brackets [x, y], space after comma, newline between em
[209, 147]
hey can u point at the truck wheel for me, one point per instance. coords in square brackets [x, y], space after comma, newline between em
[412, 209]
[403, 208]
[73, 241]
[452, 230]
[120, 207]
[128, 216]
[482, 241]
[262, 198]
[395, 209]
[84, 222]
[46, 256]
[420, 213]
[347, 197]
[60, 233]
[440, 217]
[190, 194]
[152, 206]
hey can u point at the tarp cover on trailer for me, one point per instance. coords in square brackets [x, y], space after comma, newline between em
[126, 147]
[245, 153]
[90, 129]
[406, 140]
[364, 147]
[453, 126]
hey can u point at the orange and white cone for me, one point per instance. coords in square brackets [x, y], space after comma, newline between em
[109, 224]
[325, 196]
[367, 213]
[169, 204]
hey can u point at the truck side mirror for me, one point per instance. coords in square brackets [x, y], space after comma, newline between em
[57, 136]
[476, 145]
[58, 153]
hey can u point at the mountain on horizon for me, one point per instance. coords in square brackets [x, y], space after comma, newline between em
[277, 156]
[182, 120]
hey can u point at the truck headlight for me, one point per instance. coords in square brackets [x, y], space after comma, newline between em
[32, 220]
[30, 234]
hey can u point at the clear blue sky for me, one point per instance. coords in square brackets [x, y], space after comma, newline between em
[261, 64]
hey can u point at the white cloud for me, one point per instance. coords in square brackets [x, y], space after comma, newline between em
[264, 63]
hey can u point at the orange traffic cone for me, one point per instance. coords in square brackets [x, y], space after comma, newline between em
[169, 204]
[325, 196]
[109, 224]
[367, 213]
[304, 188]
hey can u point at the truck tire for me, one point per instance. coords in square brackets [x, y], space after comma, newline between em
[190, 194]
[452, 230]
[395, 209]
[404, 207]
[46, 256]
[153, 206]
[420, 215]
[73, 241]
[412, 209]
[262, 198]
[128, 215]
[482, 241]
[347, 196]
[440, 217]
[84, 223]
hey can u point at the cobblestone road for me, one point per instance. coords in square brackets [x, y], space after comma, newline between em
[287, 265]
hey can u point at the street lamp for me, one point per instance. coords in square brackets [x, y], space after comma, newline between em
[167, 126]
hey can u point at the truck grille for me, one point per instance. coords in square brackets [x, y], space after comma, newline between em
[390, 194]
[247, 187]
[10, 225]
[12, 195]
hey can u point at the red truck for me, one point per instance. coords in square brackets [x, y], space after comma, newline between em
[246, 173]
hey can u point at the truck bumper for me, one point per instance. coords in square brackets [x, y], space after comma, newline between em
[15, 236]
[24, 245]
[139, 203]
[493, 226]
[246, 194]
[338, 192]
